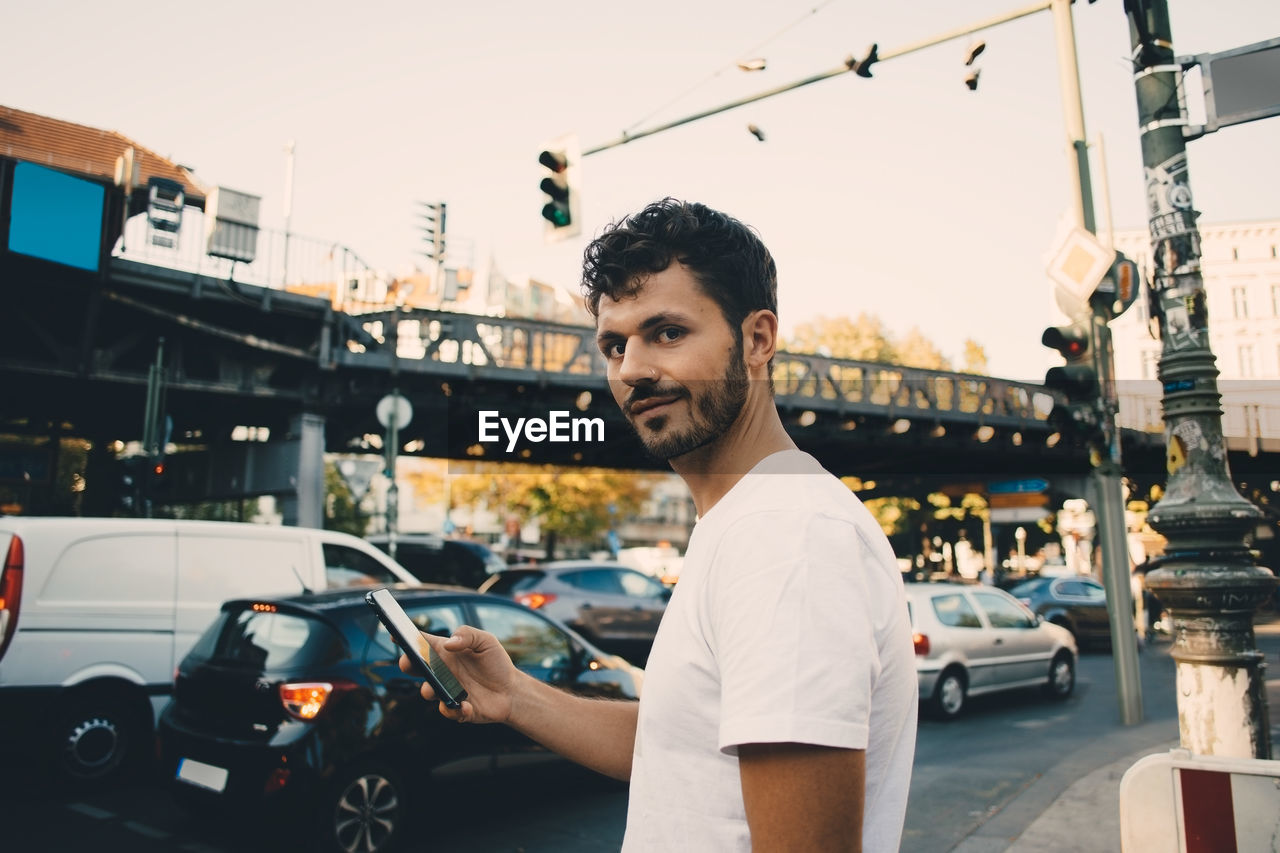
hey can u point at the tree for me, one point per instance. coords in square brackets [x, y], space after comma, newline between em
[975, 357]
[340, 510]
[915, 350]
[865, 338]
[573, 503]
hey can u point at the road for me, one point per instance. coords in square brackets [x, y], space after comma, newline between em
[966, 773]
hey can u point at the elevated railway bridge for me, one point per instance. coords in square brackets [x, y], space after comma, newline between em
[79, 347]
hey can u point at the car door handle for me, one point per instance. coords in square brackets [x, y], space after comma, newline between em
[999, 641]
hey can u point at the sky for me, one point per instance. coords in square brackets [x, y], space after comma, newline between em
[905, 196]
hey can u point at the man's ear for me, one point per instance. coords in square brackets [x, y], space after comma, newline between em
[759, 337]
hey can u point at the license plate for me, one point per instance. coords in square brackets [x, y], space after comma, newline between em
[204, 775]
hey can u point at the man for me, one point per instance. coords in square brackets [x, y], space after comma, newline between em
[779, 705]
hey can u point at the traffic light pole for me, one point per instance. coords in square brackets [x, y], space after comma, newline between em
[1107, 477]
[1207, 577]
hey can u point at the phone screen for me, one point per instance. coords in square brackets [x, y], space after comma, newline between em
[406, 636]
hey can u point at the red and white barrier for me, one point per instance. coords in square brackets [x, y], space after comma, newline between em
[1177, 802]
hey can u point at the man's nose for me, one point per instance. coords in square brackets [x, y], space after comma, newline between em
[636, 367]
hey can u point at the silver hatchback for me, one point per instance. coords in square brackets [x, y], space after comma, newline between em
[972, 640]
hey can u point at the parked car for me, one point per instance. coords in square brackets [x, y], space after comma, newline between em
[1077, 603]
[95, 612]
[434, 559]
[295, 709]
[615, 607]
[972, 640]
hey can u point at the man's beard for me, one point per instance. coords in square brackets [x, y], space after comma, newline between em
[712, 412]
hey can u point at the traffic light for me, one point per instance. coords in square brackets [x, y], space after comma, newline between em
[131, 476]
[1077, 380]
[433, 229]
[560, 208]
[160, 483]
[1118, 289]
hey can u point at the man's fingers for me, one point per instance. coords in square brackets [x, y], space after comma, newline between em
[465, 637]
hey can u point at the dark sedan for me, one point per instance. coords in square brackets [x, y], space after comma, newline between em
[296, 708]
[1078, 604]
[615, 607]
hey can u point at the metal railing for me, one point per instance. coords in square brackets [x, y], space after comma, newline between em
[323, 268]
[429, 339]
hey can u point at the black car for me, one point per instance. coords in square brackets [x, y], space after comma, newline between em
[433, 559]
[295, 708]
[1078, 604]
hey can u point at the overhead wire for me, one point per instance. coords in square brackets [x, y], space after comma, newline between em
[746, 54]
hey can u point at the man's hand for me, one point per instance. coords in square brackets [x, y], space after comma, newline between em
[482, 666]
[597, 733]
[803, 797]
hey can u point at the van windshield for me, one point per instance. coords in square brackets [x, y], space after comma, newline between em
[269, 640]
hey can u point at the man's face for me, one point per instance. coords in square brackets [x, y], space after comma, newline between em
[674, 365]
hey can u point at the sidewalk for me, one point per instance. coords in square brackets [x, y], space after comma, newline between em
[1075, 807]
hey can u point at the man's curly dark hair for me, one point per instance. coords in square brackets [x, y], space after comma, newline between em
[724, 256]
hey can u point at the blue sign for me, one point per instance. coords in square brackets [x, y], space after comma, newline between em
[1011, 487]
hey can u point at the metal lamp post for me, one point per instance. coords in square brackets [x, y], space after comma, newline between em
[1207, 578]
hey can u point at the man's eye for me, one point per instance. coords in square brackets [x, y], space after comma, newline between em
[612, 350]
[670, 334]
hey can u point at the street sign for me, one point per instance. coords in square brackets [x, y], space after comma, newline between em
[394, 406]
[1010, 500]
[1018, 514]
[1239, 85]
[1034, 484]
[1078, 267]
[358, 474]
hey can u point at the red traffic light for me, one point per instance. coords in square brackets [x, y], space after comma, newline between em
[1071, 341]
[554, 160]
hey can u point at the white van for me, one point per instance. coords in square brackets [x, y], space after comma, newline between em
[95, 613]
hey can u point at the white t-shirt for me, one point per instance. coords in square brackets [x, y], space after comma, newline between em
[789, 624]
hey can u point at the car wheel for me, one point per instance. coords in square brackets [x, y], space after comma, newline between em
[1062, 676]
[97, 739]
[365, 810]
[949, 694]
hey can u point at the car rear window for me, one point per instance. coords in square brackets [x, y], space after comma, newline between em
[954, 611]
[1027, 588]
[267, 639]
[511, 582]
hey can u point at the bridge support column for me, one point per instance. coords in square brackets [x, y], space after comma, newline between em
[304, 506]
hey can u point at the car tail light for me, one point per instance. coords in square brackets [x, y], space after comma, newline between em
[922, 644]
[277, 779]
[11, 591]
[305, 699]
[534, 600]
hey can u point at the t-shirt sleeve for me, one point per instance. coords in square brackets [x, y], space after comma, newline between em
[793, 627]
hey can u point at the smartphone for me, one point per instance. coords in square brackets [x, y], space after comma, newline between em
[406, 636]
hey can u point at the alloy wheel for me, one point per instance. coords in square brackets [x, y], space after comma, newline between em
[1062, 678]
[367, 814]
[949, 697]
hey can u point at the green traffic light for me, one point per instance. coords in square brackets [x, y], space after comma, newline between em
[556, 214]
